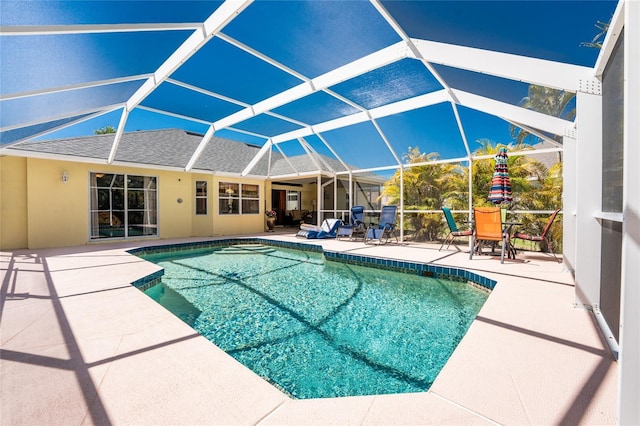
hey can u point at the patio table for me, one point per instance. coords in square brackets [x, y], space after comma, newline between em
[510, 249]
[508, 226]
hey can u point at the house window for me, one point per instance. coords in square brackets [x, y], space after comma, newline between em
[229, 198]
[201, 197]
[250, 199]
[293, 200]
[122, 206]
[235, 198]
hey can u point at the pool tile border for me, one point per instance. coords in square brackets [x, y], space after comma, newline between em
[149, 281]
[419, 268]
[422, 269]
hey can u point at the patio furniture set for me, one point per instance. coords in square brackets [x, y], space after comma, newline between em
[490, 225]
[372, 233]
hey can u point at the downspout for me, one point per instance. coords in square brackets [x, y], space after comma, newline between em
[401, 203]
[335, 195]
[470, 213]
[350, 190]
[319, 199]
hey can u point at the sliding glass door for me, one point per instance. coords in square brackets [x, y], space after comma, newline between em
[123, 206]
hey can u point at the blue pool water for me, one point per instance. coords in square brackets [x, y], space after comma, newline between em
[316, 328]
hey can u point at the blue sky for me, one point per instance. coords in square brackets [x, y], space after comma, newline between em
[310, 38]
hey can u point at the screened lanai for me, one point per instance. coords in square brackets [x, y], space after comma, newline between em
[351, 86]
[357, 82]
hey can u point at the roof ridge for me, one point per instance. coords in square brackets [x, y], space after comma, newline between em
[73, 138]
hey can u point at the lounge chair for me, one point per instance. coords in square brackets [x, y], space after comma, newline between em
[386, 229]
[488, 227]
[453, 229]
[328, 229]
[356, 226]
[544, 237]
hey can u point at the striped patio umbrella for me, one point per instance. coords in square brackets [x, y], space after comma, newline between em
[500, 191]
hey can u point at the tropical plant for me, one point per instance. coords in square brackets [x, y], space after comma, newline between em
[426, 187]
[524, 172]
[431, 186]
[105, 130]
[546, 195]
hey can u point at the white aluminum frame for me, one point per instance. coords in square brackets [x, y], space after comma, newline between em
[629, 360]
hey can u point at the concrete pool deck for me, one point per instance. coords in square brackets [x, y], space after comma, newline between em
[80, 345]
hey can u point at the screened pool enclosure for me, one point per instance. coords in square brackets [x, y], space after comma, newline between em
[338, 92]
[291, 84]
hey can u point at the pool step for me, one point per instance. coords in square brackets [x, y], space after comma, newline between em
[246, 249]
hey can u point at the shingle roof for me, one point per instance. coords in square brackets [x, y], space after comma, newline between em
[173, 148]
[168, 148]
[547, 159]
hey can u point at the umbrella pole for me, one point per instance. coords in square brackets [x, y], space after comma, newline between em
[470, 202]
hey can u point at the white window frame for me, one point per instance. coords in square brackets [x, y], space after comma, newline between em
[151, 211]
[204, 197]
[233, 197]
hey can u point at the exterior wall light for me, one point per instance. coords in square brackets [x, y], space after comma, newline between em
[65, 177]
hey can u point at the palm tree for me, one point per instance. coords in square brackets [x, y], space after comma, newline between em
[596, 42]
[523, 172]
[553, 102]
[105, 130]
[425, 187]
[431, 186]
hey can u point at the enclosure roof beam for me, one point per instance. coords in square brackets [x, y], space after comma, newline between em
[613, 32]
[118, 136]
[91, 116]
[534, 132]
[360, 66]
[265, 148]
[513, 113]
[73, 87]
[214, 23]
[287, 160]
[201, 146]
[541, 72]
[330, 148]
[37, 30]
[105, 109]
[360, 117]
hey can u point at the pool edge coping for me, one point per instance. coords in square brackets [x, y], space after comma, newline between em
[424, 269]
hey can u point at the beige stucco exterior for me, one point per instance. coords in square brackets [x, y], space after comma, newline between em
[13, 202]
[39, 210]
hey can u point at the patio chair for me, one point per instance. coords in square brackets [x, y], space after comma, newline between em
[356, 226]
[488, 227]
[544, 237]
[453, 229]
[328, 229]
[386, 229]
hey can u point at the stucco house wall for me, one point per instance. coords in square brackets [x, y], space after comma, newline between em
[39, 210]
[13, 202]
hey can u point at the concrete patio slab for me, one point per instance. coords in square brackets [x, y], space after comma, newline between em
[80, 345]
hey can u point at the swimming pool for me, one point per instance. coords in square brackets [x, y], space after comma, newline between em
[317, 328]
